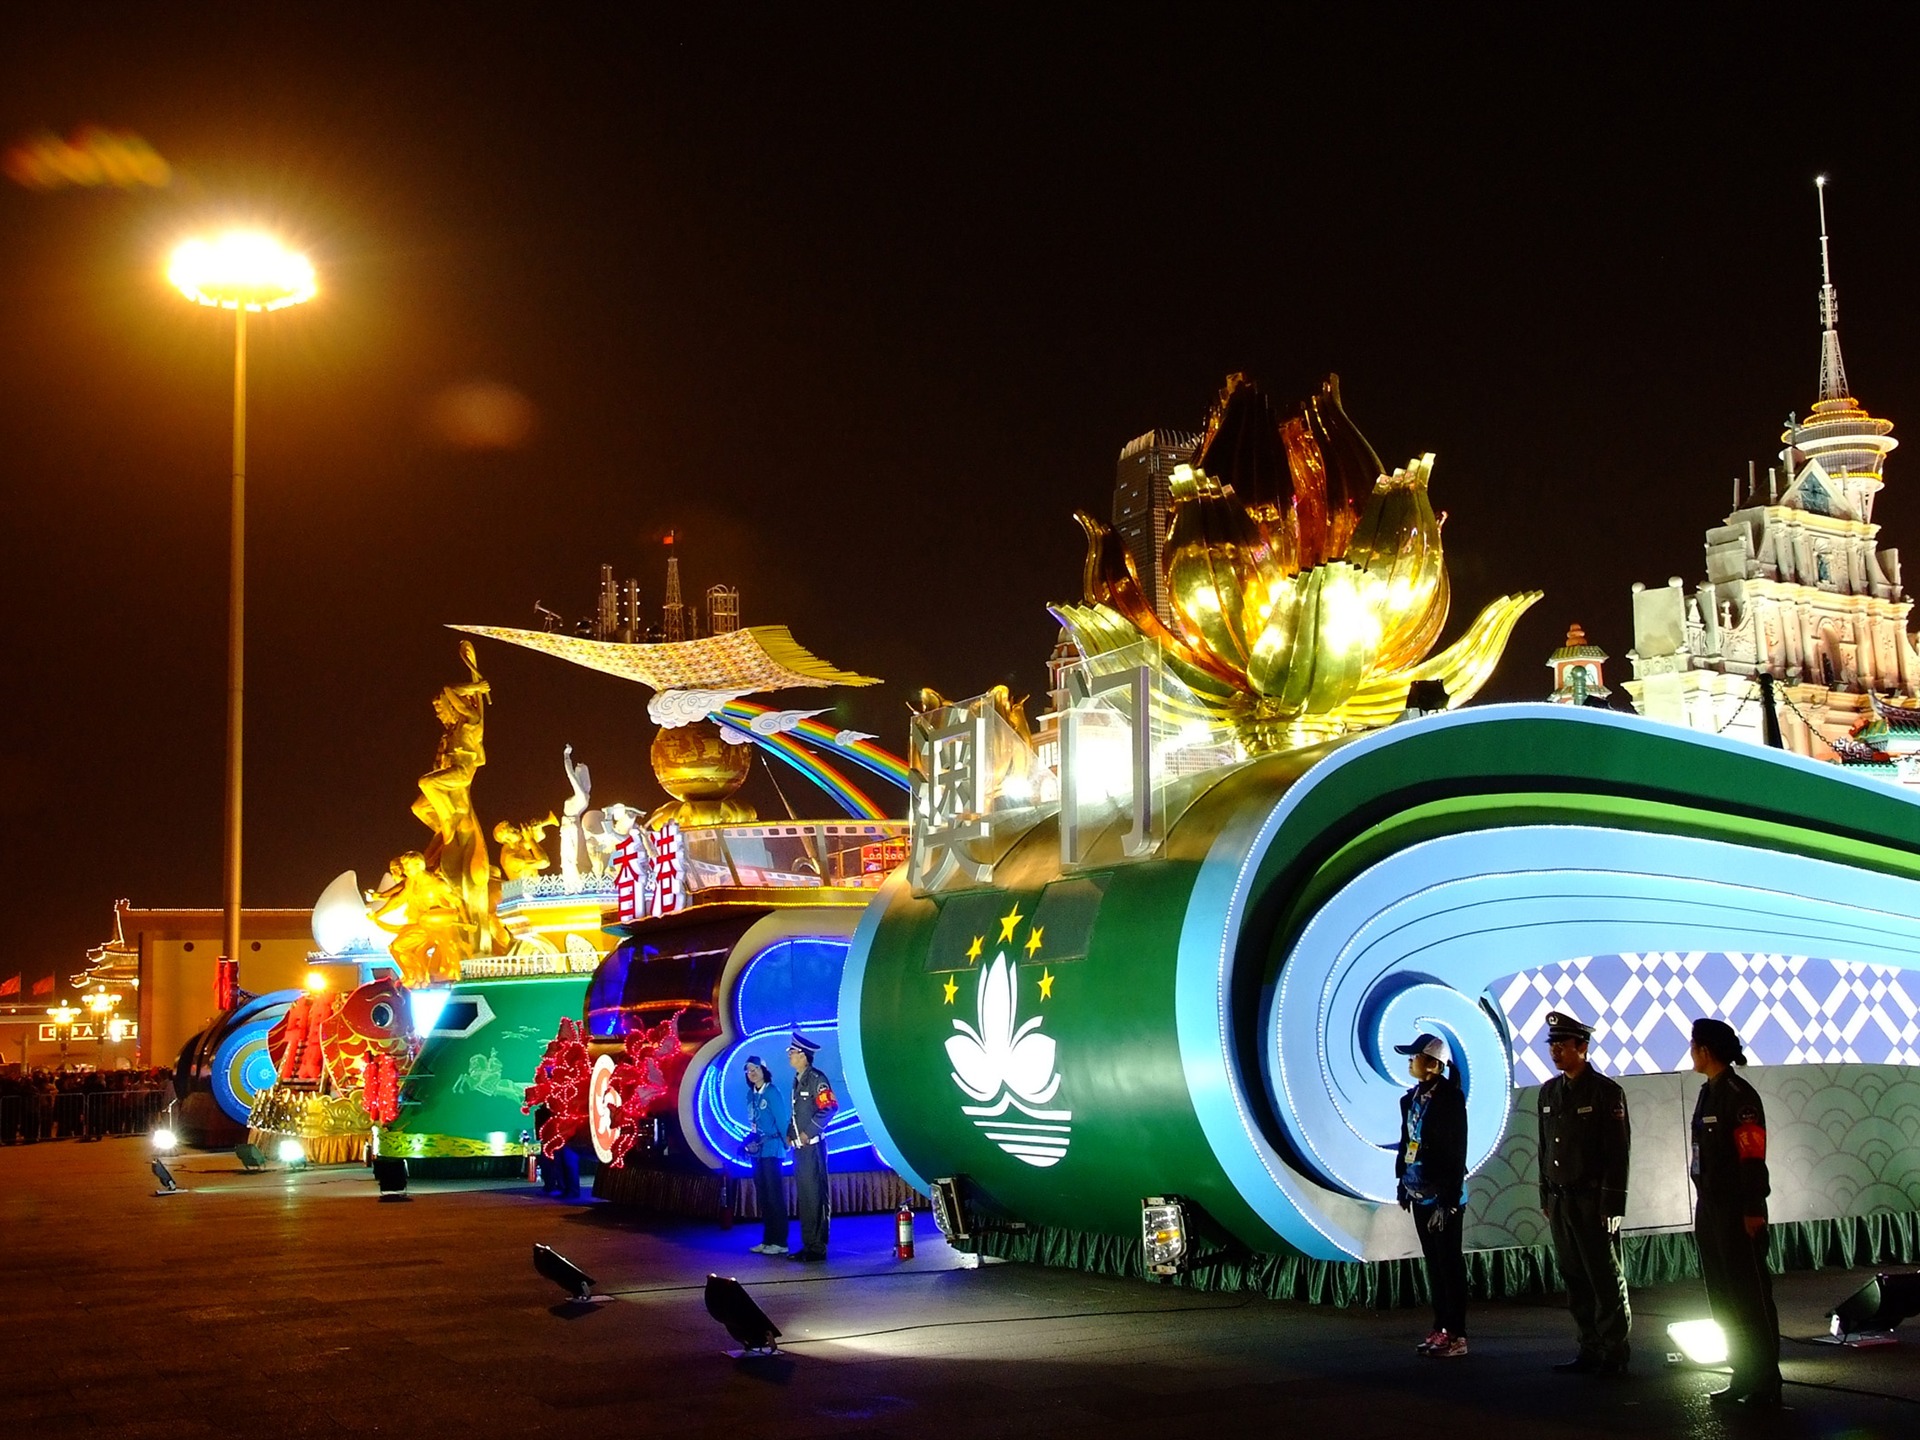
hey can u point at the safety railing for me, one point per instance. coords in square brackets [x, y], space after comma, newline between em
[79, 1115]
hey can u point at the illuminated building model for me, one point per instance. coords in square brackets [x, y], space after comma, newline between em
[1802, 623]
[1577, 668]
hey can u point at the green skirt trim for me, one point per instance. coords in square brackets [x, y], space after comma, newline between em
[1891, 1237]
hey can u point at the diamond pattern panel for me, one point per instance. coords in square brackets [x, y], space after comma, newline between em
[1788, 1010]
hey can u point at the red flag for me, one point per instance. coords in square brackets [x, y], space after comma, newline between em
[44, 985]
[12, 987]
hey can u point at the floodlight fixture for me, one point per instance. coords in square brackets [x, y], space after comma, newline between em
[390, 1174]
[1164, 1246]
[292, 1154]
[729, 1303]
[564, 1273]
[949, 1213]
[250, 1156]
[168, 1185]
[1870, 1315]
[164, 1140]
[241, 270]
[1699, 1342]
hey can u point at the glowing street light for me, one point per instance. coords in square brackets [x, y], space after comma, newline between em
[63, 1016]
[242, 271]
[102, 1002]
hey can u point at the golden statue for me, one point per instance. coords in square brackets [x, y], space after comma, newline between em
[1299, 613]
[439, 902]
[520, 852]
[423, 912]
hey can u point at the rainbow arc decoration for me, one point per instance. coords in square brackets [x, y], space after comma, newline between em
[1219, 1018]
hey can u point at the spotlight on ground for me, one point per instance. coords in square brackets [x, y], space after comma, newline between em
[390, 1174]
[165, 1176]
[563, 1272]
[1701, 1342]
[1163, 1235]
[729, 1303]
[292, 1154]
[164, 1141]
[949, 1214]
[250, 1156]
[1869, 1315]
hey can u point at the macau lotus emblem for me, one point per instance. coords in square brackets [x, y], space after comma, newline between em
[1007, 1065]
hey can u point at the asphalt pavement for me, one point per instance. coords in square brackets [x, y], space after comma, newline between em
[297, 1303]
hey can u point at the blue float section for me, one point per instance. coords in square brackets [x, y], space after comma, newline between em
[242, 1067]
[792, 984]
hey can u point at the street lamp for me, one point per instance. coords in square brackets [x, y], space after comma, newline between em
[241, 271]
[102, 1003]
[63, 1017]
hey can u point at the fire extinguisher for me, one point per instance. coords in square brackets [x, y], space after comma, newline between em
[903, 1232]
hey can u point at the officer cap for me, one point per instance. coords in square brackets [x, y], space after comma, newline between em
[805, 1046]
[1562, 1026]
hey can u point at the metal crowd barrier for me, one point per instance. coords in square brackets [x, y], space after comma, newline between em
[78, 1115]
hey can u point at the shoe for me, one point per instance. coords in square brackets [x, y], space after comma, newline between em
[1581, 1364]
[1617, 1363]
[1433, 1342]
[1456, 1345]
[1721, 1399]
[1763, 1400]
[807, 1257]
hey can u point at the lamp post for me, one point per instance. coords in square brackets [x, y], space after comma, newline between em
[102, 1002]
[242, 272]
[63, 1017]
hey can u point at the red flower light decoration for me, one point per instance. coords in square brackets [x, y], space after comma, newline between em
[560, 1084]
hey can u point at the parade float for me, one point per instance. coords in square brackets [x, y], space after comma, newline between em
[1149, 1023]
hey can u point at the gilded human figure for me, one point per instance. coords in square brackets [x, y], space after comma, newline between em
[520, 852]
[423, 913]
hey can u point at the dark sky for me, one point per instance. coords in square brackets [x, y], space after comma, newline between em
[861, 302]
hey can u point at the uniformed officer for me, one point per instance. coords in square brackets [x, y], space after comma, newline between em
[1584, 1142]
[813, 1107]
[1730, 1216]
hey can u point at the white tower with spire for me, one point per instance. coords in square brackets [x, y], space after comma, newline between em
[1797, 588]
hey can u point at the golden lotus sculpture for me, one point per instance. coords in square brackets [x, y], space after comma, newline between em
[1307, 585]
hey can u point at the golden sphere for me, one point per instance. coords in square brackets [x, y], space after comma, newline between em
[692, 762]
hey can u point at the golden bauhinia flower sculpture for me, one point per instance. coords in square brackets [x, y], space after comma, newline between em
[1307, 585]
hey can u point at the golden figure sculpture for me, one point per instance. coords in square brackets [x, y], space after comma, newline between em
[424, 914]
[520, 852]
[1300, 612]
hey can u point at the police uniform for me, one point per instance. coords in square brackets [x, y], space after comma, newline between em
[1585, 1138]
[1731, 1184]
[813, 1106]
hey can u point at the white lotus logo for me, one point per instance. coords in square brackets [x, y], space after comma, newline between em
[1007, 1066]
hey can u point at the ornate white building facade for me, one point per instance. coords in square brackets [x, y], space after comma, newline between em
[1801, 624]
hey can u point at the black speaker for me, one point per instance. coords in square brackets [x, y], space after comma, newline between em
[729, 1303]
[165, 1177]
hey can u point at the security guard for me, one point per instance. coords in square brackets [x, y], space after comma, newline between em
[813, 1107]
[1584, 1142]
[1730, 1216]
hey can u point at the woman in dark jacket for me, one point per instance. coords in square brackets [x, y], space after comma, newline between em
[766, 1147]
[1431, 1171]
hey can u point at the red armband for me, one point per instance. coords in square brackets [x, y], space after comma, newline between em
[824, 1100]
[1750, 1141]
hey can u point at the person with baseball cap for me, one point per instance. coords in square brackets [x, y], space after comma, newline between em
[1430, 1171]
[1585, 1138]
[1731, 1186]
[813, 1106]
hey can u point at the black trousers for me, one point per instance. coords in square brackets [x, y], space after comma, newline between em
[1589, 1258]
[771, 1190]
[810, 1196]
[1740, 1292]
[1446, 1267]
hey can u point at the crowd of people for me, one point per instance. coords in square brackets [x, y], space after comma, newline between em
[80, 1104]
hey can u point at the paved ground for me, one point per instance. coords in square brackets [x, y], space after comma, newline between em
[281, 1304]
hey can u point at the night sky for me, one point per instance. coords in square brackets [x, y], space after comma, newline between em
[862, 304]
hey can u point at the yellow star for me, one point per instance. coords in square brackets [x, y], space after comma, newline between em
[1046, 984]
[973, 950]
[950, 989]
[1033, 940]
[1007, 921]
